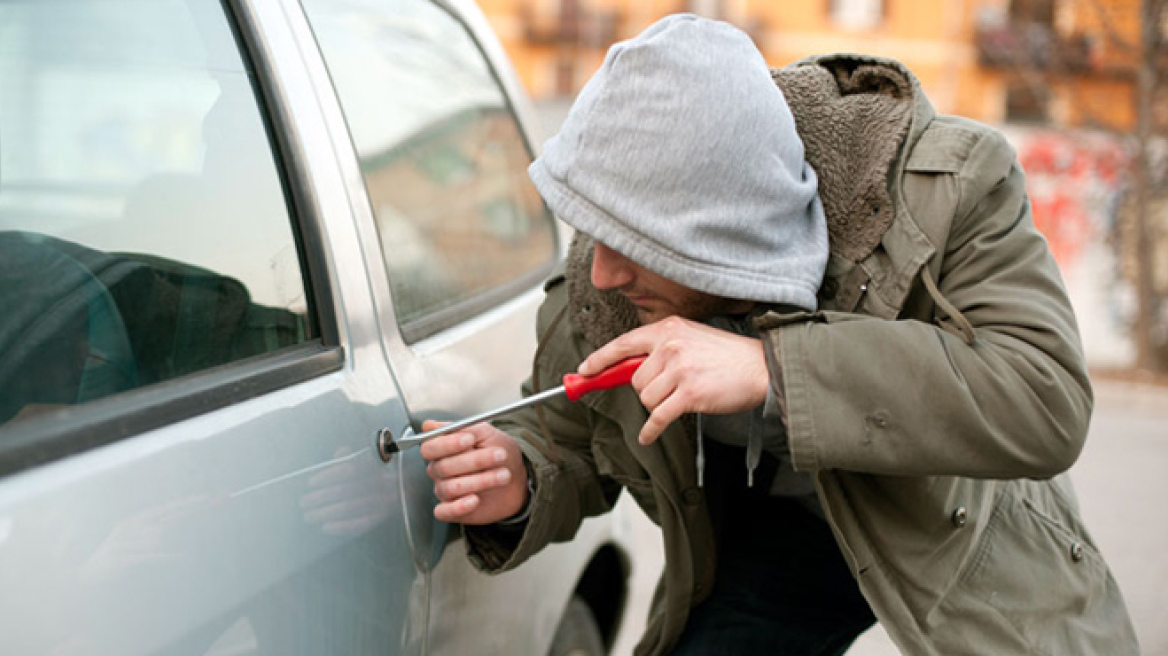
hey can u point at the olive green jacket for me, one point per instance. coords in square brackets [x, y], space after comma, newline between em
[937, 396]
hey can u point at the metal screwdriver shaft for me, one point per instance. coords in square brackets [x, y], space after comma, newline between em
[574, 387]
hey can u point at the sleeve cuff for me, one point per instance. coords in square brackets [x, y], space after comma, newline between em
[784, 351]
[775, 404]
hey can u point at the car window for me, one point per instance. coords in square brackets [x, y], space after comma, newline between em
[443, 159]
[144, 229]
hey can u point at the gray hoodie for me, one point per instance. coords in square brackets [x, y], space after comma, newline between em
[681, 154]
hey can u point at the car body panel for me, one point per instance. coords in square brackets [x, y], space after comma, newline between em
[207, 534]
[192, 538]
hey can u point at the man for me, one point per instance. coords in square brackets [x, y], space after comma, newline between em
[896, 453]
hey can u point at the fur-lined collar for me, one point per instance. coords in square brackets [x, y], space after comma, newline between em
[853, 114]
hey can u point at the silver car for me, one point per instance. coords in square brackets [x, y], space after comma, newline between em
[238, 238]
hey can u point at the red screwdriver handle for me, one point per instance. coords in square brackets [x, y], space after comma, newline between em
[618, 374]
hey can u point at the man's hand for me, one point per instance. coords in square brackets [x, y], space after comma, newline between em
[691, 368]
[478, 474]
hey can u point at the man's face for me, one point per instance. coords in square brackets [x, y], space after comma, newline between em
[655, 297]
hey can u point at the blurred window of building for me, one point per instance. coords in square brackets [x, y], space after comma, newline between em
[1032, 11]
[443, 159]
[1027, 102]
[856, 14]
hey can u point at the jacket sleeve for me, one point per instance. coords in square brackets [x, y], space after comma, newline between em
[567, 486]
[908, 398]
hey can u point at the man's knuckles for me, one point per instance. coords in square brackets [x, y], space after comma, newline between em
[455, 510]
[446, 446]
[672, 324]
[452, 488]
[673, 349]
[466, 463]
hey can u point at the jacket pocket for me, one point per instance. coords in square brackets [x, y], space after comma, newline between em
[1040, 581]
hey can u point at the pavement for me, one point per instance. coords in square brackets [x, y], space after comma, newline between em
[1122, 480]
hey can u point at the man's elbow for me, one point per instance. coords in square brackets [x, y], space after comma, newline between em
[1069, 419]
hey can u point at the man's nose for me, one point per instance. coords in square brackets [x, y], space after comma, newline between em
[610, 269]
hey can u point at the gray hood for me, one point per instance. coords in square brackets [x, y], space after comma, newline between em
[681, 154]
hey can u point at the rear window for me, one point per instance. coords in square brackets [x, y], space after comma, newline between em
[443, 159]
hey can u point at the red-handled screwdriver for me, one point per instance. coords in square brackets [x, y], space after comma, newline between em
[574, 387]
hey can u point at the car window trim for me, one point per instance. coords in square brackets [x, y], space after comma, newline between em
[72, 430]
[430, 324]
[438, 320]
[298, 190]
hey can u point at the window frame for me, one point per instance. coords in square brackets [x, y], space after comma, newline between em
[77, 429]
[453, 315]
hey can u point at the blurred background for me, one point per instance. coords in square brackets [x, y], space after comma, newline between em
[1079, 86]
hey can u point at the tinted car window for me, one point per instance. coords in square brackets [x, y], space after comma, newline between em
[144, 232]
[442, 156]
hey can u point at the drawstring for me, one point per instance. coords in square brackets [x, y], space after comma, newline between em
[964, 329]
[753, 451]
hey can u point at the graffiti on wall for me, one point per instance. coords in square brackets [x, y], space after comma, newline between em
[1074, 181]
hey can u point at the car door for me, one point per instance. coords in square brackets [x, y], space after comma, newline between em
[440, 154]
[461, 239]
[192, 373]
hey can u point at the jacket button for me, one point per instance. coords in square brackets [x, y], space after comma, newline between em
[959, 517]
[1077, 551]
[692, 496]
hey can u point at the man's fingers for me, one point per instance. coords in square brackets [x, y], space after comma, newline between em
[453, 488]
[456, 442]
[431, 424]
[455, 511]
[663, 415]
[445, 446]
[635, 342]
[656, 390]
[469, 462]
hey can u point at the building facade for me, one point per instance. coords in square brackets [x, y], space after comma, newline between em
[1065, 63]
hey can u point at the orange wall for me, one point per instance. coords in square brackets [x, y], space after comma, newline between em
[934, 38]
[1104, 103]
